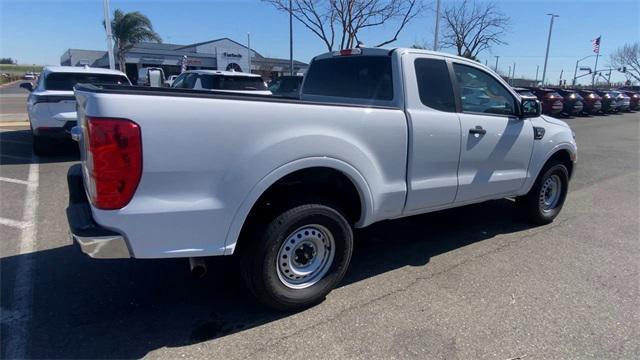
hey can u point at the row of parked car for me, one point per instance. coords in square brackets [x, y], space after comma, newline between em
[568, 102]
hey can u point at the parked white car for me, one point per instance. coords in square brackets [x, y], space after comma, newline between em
[377, 134]
[51, 105]
[222, 81]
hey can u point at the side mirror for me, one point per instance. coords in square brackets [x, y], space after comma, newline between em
[27, 85]
[530, 108]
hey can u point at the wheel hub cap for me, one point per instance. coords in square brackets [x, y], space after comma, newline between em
[305, 256]
[550, 193]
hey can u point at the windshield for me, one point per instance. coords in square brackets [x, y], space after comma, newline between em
[236, 82]
[66, 81]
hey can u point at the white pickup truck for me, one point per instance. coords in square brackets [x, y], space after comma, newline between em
[279, 182]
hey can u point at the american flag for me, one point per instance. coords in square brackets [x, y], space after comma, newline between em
[596, 45]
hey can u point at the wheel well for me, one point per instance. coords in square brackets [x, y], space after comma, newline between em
[564, 157]
[322, 183]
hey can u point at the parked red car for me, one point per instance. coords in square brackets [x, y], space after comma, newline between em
[634, 103]
[551, 101]
[592, 101]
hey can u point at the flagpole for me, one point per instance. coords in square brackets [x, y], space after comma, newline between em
[595, 67]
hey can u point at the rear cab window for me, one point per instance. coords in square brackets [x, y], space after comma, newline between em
[235, 82]
[351, 77]
[66, 81]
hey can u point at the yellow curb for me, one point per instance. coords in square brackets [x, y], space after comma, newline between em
[14, 123]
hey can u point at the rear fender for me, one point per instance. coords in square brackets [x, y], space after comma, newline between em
[364, 191]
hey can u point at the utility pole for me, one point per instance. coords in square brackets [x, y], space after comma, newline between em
[546, 56]
[435, 36]
[497, 57]
[249, 48]
[509, 75]
[290, 38]
[537, 68]
[560, 80]
[107, 26]
[514, 71]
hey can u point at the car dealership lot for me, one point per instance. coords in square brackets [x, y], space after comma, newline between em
[474, 282]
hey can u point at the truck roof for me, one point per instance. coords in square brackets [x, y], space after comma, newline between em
[382, 52]
[81, 69]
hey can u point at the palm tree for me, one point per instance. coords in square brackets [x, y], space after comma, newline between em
[129, 29]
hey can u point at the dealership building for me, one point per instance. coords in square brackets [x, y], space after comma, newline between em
[218, 54]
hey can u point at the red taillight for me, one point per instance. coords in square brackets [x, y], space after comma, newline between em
[114, 161]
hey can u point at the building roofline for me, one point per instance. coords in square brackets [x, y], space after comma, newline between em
[214, 40]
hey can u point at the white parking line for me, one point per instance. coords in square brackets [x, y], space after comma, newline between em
[13, 223]
[15, 181]
[20, 304]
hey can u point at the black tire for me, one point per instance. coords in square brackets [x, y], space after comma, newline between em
[41, 146]
[260, 258]
[532, 204]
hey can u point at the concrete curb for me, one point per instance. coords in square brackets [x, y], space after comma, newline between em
[9, 84]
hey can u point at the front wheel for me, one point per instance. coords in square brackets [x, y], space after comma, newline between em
[300, 256]
[545, 199]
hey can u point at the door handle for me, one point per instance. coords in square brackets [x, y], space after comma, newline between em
[478, 130]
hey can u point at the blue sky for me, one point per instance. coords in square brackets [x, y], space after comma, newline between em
[38, 32]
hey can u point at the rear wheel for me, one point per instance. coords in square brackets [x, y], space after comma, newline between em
[545, 199]
[298, 257]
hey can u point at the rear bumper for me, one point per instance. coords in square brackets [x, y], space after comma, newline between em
[93, 239]
[62, 132]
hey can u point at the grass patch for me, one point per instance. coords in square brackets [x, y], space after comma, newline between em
[16, 70]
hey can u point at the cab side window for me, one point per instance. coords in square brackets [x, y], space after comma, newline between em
[481, 93]
[434, 84]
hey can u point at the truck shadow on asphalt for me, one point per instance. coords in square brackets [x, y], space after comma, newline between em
[85, 308]
[15, 149]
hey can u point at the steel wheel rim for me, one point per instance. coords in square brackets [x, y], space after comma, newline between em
[305, 256]
[550, 193]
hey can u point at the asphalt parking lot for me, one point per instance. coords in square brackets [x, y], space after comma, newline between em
[470, 283]
[12, 102]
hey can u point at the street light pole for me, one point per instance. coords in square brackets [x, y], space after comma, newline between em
[537, 68]
[249, 48]
[546, 56]
[497, 57]
[107, 26]
[290, 38]
[435, 36]
[575, 72]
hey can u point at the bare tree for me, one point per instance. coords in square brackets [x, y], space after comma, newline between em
[472, 27]
[338, 23]
[629, 57]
